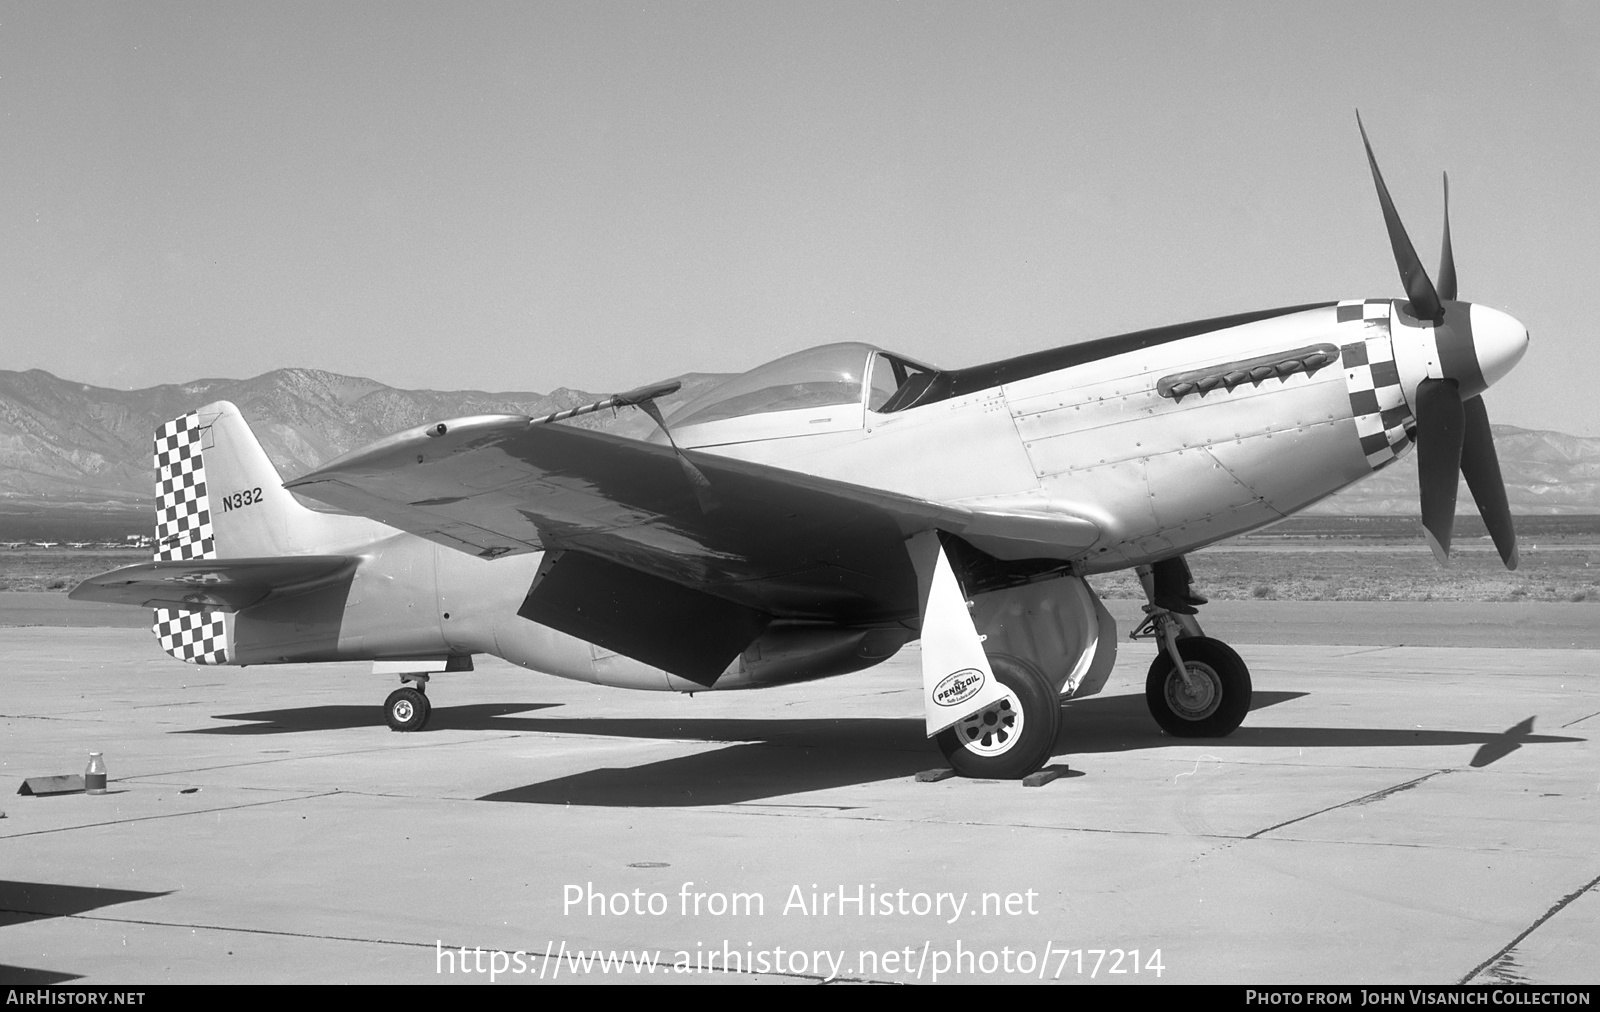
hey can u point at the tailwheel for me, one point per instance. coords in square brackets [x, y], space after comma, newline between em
[1214, 700]
[1011, 737]
[406, 709]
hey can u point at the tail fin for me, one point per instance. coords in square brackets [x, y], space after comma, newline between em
[218, 496]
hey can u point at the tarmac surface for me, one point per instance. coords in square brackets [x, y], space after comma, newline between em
[1417, 814]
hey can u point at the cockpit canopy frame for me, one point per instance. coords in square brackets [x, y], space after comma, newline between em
[822, 389]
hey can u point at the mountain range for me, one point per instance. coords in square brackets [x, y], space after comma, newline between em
[63, 442]
[66, 442]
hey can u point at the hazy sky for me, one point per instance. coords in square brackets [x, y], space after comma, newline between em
[526, 196]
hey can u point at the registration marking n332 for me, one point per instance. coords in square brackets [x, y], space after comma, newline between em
[239, 500]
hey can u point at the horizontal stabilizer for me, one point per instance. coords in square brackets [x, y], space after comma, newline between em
[214, 584]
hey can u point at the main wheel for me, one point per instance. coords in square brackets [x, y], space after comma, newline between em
[1216, 701]
[1011, 737]
[406, 709]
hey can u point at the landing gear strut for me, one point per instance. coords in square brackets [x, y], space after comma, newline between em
[1198, 687]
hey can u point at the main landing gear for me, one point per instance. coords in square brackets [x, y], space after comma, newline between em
[1198, 687]
[407, 708]
[1011, 737]
[1208, 698]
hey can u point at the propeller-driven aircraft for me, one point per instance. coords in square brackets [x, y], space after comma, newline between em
[810, 517]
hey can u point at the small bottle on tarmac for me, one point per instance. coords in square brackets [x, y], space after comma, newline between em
[94, 778]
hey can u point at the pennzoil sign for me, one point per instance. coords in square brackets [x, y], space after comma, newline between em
[959, 687]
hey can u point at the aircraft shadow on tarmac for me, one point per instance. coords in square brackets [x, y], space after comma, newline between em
[768, 758]
[33, 901]
[292, 720]
[498, 717]
[780, 757]
[1121, 723]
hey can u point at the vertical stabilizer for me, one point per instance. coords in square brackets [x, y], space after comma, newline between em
[253, 515]
[218, 496]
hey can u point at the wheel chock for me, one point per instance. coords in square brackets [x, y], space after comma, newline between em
[71, 783]
[934, 776]
[1044, 776]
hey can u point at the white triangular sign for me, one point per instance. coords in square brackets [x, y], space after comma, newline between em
[957, 680]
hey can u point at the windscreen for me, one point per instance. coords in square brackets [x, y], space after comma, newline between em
[818, 377]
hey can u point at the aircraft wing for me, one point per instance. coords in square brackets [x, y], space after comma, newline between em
[676, 559]
[776, 542]
[214, 584]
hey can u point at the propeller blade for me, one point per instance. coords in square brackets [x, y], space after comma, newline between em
[1481, 466]
[1447, 259]
[1420, 290]
[1440, 428]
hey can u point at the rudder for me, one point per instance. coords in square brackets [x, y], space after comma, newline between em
[184, 531]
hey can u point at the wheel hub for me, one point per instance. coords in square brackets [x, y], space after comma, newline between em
[1200, 698]
[403, 710]
[992, 730]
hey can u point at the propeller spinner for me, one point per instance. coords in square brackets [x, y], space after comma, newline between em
[1458, 350]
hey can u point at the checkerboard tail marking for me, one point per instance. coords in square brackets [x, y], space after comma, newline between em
[183, 531]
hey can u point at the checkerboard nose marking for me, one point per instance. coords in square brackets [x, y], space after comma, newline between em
[1377, 399]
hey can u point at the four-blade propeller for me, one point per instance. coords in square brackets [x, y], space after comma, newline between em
[1452, 433]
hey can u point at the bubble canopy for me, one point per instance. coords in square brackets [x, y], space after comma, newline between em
[833, 374]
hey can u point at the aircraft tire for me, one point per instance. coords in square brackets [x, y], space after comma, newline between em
[406, 709]
[1012, 738]
[1221, 701]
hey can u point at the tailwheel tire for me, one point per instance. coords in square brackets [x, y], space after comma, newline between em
[406, 710]
[1012, 737]
[1216, 701]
